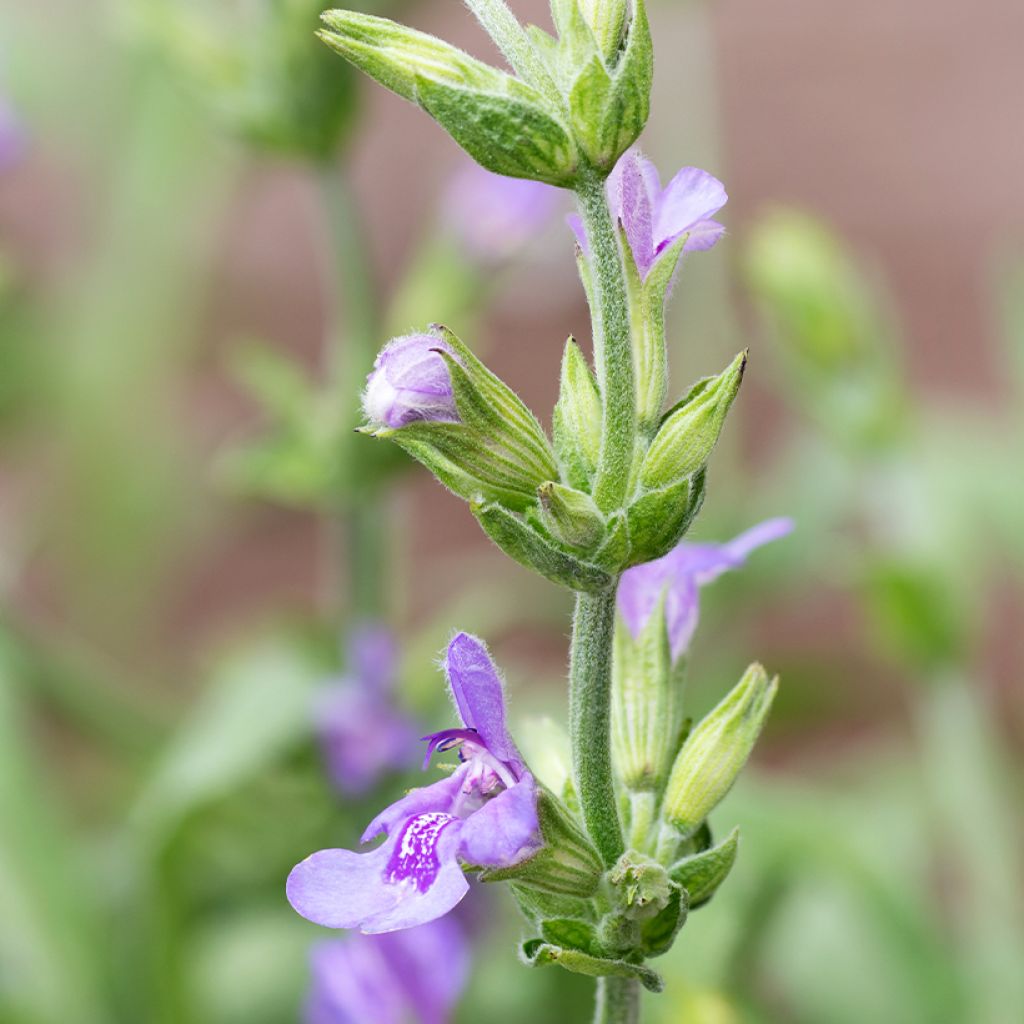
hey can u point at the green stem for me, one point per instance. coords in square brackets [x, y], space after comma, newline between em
[613, 349]
[501, 25]
[590, 684]
[352, 340]
[618, 1001]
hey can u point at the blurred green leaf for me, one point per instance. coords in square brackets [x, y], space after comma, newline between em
[50, 972]
[257, 706]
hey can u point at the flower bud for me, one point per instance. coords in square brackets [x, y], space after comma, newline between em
[410, 382]
[647, 713]
[571, 516]
[506, 125]
[608, 70]
[577, 418]
[607, 20]
[434, 398]
[716, 750]
[689, 431]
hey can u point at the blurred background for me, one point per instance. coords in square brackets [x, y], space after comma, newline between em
[208, 227]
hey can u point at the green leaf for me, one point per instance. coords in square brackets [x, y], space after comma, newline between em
[571, 933]
[701, 874]
[257, 707]
[660, 932]
[522, 542]
[658, 520]
[538, 953]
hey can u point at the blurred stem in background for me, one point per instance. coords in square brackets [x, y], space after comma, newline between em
[360, 517]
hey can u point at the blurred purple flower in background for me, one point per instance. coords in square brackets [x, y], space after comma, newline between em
[654, 218]
[407, 977]
[483, 814]
[362, 733]
[680, 574]
[494, 216]
[12, 135]
[410, 382]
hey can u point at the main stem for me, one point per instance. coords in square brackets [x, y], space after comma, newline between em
[355, 514]
[613, 347]
[590, 686]
[618, 1001]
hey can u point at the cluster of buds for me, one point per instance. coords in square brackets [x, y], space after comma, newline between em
[429, 394]
[579, 99]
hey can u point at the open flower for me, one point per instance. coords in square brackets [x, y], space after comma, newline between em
[483, 814]
[415, 975]
[654, 218]
[410, 382]
[680, 574]
[362, 732]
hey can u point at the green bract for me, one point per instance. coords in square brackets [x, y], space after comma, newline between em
[496, 452]
[504, 124]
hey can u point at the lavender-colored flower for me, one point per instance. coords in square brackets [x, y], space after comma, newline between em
[407, 977]
[410, 382]
[654, 217]
[483, 814]
[362, 733]
[680, 574]
[494, 216]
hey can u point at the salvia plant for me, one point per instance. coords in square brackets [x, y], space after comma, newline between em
[606, 865]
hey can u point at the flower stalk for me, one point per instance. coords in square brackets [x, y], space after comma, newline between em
[590, 685]
[613, 351]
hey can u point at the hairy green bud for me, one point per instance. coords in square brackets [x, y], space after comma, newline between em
[690, 430]
[507, 126]
[577, 419]
[571, 516]
[716, 750]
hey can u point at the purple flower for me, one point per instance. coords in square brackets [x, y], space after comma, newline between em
[493, 216]
[407, 977]
[483, 814]
[362, 733]
[410, 382]
[12, 135]
[654, 218]
[680, 574]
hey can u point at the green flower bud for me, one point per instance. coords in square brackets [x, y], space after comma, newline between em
[607, 82]
[647, 706]
[506, 125]
[571, 516]
[689, 430]
[640, 886]
[577, 419]
[607, 20]
[716, 750]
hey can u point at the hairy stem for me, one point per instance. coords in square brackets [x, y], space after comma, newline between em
[618, 1001]
[501, 25]
[356, 521]
[613, 349]
[590, 683]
